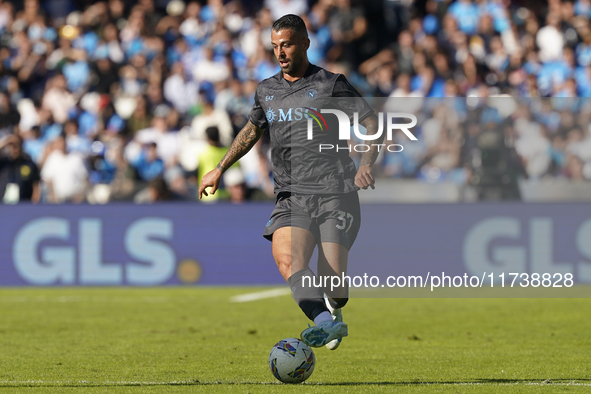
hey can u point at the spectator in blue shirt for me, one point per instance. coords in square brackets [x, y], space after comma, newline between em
[77, 74]
[149, 165]
[466, 13]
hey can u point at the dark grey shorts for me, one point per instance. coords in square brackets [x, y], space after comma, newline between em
[330, 218]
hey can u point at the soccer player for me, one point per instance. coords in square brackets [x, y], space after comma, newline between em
[316, 192]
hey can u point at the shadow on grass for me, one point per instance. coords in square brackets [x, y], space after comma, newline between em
[583, 382]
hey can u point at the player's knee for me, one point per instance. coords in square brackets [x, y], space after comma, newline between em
[283, 261]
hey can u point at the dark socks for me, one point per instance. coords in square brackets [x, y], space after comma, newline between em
[309, 298]
[337, 303]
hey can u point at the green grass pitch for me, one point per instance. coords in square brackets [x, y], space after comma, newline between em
[187, 340]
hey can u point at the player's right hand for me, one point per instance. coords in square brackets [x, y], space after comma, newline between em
[364, 178]
[211, 179]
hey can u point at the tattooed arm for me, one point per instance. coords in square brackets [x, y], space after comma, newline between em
[364, 177]
[243, 142]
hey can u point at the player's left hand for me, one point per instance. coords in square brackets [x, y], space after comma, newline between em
[364, 177]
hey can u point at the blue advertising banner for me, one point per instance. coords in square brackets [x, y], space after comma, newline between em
[127, 244]
[491, 241]
[222, 244]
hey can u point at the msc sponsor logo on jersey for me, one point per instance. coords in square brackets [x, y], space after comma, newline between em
[287, 115]
[271, 115]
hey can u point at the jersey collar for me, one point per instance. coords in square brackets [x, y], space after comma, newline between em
[308, 72]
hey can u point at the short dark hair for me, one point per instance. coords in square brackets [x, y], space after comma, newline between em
[213, 133]
[291, 22]
[74, 122]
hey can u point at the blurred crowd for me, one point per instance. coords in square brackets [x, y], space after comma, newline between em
[135, 100]
[491, 142]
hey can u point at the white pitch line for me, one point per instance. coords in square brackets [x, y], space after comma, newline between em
[68, 299]
[196, 382]
[259, 295]
[87, 382]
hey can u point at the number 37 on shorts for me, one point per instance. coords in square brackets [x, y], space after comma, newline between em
[345, 221]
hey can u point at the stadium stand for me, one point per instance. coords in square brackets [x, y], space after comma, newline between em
[112, 98]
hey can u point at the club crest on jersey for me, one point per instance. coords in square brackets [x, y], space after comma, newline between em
[271, 115]
[311, 94]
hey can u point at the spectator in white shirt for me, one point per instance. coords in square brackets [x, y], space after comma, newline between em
[57, 99]
[210, 70]
[550, 40]
[64, 174]
[212, 117]
[179, 91]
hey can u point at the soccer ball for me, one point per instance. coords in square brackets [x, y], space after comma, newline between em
[291, 360]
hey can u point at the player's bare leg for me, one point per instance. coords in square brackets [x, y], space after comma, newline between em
[332, 262]
[292, 250]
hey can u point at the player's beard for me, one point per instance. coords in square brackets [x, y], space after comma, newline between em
[294, 64]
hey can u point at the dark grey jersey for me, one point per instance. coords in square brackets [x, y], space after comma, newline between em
[299, 166]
